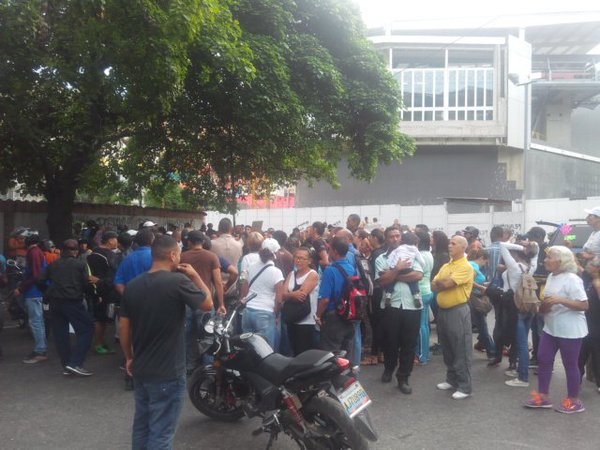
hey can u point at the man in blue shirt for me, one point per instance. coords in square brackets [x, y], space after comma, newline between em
[137, 262]
[336, 333]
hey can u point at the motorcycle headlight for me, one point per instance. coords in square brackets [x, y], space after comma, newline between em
[209, 327]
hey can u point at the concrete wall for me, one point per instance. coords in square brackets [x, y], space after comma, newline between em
[432, 174]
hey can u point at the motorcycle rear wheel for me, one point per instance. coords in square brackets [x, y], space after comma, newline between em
[202, 392]
[328, 418]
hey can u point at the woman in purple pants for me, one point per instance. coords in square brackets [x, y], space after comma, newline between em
[565, 326]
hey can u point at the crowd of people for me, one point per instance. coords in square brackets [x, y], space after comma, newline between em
[414, 278]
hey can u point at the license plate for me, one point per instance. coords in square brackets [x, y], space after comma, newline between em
[354, 399]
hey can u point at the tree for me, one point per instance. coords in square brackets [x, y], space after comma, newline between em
[268, 91]
[80, 76]
[319, 92]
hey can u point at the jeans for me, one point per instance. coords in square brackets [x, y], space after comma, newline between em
[523, 327]
[193, 331]
[260, 322]
[158, 406]
[35, 311]
[357, 354]
[65, 312]
[423, 347]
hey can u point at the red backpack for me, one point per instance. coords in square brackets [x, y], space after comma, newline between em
[353, 302]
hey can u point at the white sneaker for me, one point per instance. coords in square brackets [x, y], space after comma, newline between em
[517, 383]
[511, 373]
[460, 395]
[445, 386]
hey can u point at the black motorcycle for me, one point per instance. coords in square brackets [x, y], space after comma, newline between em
[314, 398]
[15, 310]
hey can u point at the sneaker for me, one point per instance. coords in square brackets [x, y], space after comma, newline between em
[517, 383]
[35, 357]
[537, 401]
[444, 386]
[494, 362]
[78, 370]
[66, 372]
[460, 395]
[511, 373]
[568, 406]
[103, 350]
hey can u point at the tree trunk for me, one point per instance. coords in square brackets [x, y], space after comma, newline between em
[60, 196]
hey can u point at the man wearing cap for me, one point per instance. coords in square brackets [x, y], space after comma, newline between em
[68, 280]
[591, 248]
[471, 234]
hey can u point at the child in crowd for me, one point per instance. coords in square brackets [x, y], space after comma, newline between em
[407, 250]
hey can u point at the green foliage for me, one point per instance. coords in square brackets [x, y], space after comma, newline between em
[113, 97]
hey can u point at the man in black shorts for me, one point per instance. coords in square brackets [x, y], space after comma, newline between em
[103, 267]
[152, 330]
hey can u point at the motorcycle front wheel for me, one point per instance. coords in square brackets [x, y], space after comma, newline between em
[331, 426]
[202, 390]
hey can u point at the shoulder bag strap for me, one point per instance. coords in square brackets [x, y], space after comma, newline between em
[258, 274]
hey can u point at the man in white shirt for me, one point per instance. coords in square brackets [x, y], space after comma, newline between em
[591, 248]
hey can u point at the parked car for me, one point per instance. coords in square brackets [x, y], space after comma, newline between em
[572, 235]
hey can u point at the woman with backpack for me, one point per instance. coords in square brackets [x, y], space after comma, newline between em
[518, 260]
[563, 306]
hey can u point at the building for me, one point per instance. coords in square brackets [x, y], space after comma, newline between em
[479, 94]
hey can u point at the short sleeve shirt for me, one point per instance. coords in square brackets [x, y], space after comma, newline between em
[592, 245]
[461, 272]
[203, 262]
[135, 264]
[332, 282]
[155, 304]
[263, 285]
[561, 321]
[401, 296]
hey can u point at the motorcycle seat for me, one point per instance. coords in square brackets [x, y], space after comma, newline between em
[278, 368]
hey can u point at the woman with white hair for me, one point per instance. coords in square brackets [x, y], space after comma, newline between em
[564, 305]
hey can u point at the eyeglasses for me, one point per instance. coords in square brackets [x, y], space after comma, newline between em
[300, 258]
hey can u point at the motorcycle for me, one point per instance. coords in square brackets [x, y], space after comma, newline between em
[15, 310]
[313, 398]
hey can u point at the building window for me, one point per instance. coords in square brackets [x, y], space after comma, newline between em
[469, 93]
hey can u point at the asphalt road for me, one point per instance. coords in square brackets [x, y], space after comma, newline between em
[42, 409]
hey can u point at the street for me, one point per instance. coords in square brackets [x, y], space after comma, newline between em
[42, 409]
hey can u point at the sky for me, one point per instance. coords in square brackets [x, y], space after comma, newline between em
[376, 12]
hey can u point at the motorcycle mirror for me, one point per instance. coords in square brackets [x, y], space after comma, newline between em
[210, 326]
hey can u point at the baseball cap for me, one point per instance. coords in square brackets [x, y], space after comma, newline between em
[471, 229]
[271, 244]
[131, 232]
[148, 224]
[594, 211]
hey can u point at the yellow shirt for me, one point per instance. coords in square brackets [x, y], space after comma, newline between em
[461, 272]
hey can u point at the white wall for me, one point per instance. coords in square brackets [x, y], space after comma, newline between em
[559, 210]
